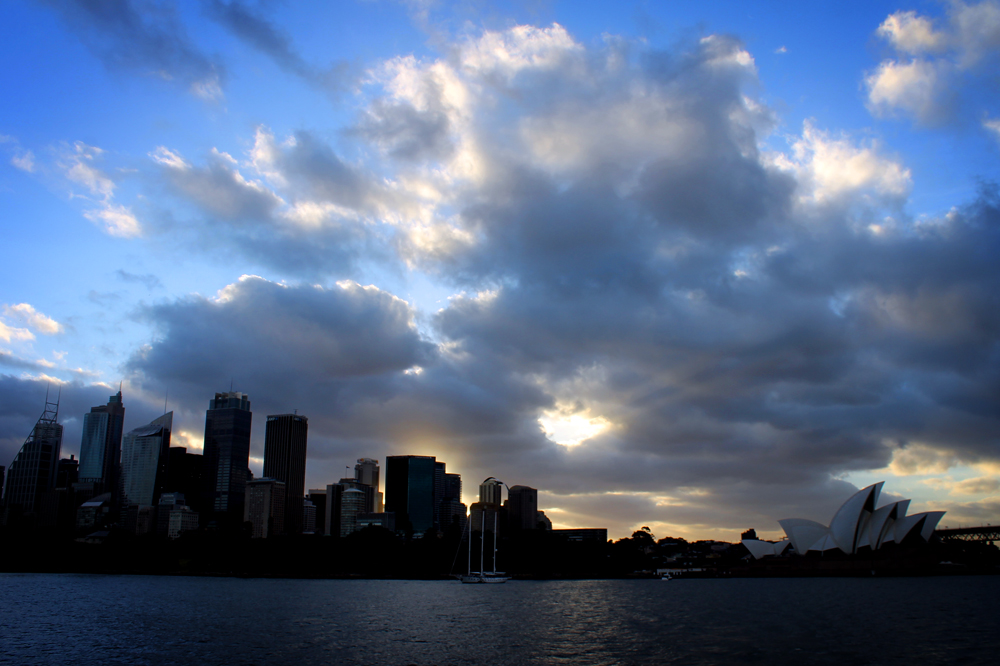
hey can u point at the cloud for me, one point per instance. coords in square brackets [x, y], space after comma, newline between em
[148, 38]
[13, 333]
[947, 68]
[649, 312]
[830, 169]
[149, 281]
[80, 168]
[25, 313]
[260, 33]
[25, 161]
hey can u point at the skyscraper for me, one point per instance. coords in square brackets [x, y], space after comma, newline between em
[226, 456]
[522, 508]
[367, 472]
[265, 507]
[101, 445]
[491, 491]
[285, 459]
[33, 470]
[144, 461]
[409, 491]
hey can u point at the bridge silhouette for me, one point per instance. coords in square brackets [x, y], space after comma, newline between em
[985, 533]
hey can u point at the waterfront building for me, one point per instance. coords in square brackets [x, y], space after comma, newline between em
[34, 468]
[542, 521]
[94, 513]
[101, 445]
[144, 461]
[226, 456]
[584, 534]
[181, 520]
[265, 507]
[385, 520]
[522, 508]
[857, 526]
[491, 491]
[409, 492]
[367, 472]
[285, 459]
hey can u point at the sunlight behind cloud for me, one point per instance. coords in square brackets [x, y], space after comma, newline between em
[571, 429]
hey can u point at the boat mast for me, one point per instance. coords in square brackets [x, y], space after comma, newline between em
[495, 542]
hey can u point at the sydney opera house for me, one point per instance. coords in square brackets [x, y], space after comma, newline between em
[857, 527]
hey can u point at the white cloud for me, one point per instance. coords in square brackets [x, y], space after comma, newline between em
[209, 89]
[166, 157]
[117, 220]
[27, 314]
[992, 125]
[914, 87]
[10, 333]
[834, 168]
[25, 161]
[911, 33]
[944, 62]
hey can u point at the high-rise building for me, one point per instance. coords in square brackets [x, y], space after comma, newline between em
[352, 503]
[226, 456]
[491, 491]
[367, 472]
[145, 460]
[522, 508]
[265, 507]
[285, 459]
[318, 497]
[308, 517]
[101, 445]
[409, 492]
[34, 468]
[184, 476]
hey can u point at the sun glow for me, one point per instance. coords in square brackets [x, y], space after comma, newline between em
[571, 429]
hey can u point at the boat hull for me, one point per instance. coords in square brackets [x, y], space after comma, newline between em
[473, 579]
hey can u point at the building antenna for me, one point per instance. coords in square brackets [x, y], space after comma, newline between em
[166, 394]
[230, 385]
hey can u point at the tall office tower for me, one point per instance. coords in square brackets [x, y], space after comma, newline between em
[67, 473]
[453, 486]
[409, 492]
[101, 445]
[331, 519]
[33, 470]
[285, 460]
[352, 503]
[145, 460]
[184, 475]
[265, 507]
[227, 453]
[367, 472]
[522, 508]
[308, 517]
[439, 474]
[491, 491]
[318, 497]
[452, 510]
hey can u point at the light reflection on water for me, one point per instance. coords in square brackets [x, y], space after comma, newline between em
[50, 619]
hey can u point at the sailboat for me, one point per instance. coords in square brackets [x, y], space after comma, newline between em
[482, 576]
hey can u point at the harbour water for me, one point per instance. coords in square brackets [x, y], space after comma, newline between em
[94, 619]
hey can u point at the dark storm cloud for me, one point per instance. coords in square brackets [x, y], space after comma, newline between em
[263, 35]
[406, 132]
[148, 37]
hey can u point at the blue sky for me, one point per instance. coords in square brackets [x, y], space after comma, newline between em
[698, 267]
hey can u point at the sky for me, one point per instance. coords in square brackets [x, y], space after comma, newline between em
[692, 266]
